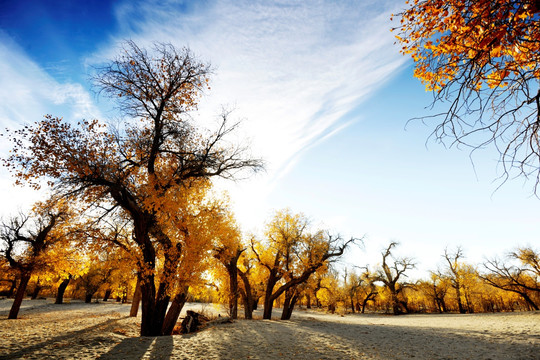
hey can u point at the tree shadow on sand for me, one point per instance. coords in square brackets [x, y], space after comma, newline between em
[59, 343]
[161, 347]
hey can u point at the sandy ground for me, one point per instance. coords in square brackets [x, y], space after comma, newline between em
[104, 330]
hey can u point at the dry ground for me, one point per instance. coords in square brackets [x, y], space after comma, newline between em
[104, 330]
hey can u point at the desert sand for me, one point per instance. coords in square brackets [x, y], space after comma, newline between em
[103, 330]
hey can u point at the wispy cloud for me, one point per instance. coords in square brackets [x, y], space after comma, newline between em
[293, 69]
[27, 92]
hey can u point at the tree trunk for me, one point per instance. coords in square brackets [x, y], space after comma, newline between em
[107, 294]
[268, 305]
[19, 296]
[174, 312]
[61, 290]
[352, 304]
[394, 301]
[88, 297]
[288, 306]
[12, 288]
[256, 303]
[136, 299]
[308, 300]
[268, 298]
[528, 300]
[154, 307]
[36, 291]
[233, 289]
[249, 302]
[461, 309]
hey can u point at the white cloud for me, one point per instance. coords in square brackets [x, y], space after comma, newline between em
[27, 92]
[292, 69]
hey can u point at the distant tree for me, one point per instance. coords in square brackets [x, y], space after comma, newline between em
[291, 255]
[483, 57]
[144, 165]
[368, 291]
[522, 278]
[390, 272]
[26, 239]
[436, 289]
[454, 273]
[227, 250]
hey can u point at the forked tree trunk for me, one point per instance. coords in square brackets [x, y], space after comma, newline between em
[268, 298]
[291, 297]
[247, 296]
[154, 307]
[19, 296]
[174, 312]
[61, 290]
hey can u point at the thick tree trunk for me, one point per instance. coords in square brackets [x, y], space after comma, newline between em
[267, 311]
[107, 294]
[308, 300]
[394, 300]
[154, 307]
[233, 288]
[247, 295]
[461, 309]
[61, 290]
[88, 297]
[352, 304]
[268, 298]
[529, 301]
[174, 312]
[136, 299]
[19, 296]
[288, 305]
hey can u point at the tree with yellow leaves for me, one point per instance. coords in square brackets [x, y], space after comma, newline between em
[228, 248]
[520, 274]
[483, 57]
[390, 272]
[26, 239]
[140, 167]
[291, 254]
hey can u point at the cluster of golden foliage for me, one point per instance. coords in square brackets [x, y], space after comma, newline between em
[496, 43]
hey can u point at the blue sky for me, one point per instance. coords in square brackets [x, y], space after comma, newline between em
[325, 97]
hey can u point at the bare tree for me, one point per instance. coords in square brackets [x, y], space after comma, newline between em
[390, 272]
